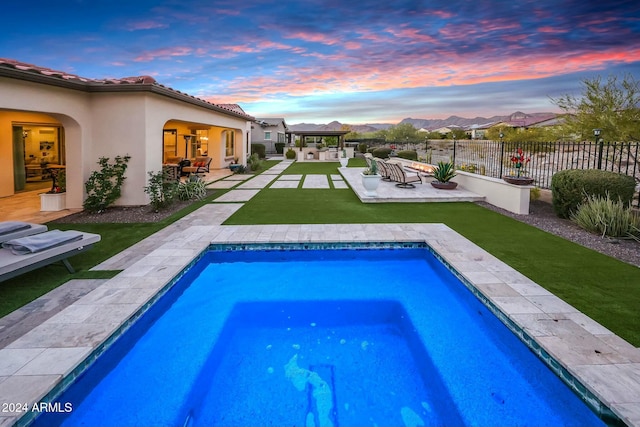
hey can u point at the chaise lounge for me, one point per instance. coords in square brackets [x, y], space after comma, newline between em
[10, 230]
[24, 254]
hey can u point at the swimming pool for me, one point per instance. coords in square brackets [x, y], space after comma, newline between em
[320, 337]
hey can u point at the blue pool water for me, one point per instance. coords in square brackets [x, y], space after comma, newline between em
[319, 337]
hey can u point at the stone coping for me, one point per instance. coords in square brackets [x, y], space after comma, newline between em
[46, 358]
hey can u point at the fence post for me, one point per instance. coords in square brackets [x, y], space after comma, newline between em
[600, 148]
[501, 155]
[454, 153]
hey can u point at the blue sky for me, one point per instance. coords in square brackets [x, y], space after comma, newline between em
[353, 61]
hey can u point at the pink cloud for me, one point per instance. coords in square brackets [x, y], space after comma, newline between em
[145, 25]
[364, 76]
[164, 53]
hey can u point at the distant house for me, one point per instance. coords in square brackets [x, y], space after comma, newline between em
[268, 131]
[50, 117]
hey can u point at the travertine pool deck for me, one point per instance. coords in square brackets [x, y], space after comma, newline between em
[36, 362]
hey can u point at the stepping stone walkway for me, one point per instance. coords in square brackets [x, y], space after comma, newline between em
[338, 182]
[246, 190]
[315, 181]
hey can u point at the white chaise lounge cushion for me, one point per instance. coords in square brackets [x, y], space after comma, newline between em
[10, 230]
[7, 227]
[41, 242]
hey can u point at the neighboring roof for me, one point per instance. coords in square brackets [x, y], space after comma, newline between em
[232, 107]
[22, 71]
[271, 121]
[319, 132]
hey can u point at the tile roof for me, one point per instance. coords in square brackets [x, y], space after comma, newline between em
[45, 75]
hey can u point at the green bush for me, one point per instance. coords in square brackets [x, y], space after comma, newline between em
[570, 188]
[381, 152]
[290, 154]
[408, 154]
[607, 217]
[161, 190]
[192, 189]
[259, 149]
[279, 147]
[362, 147]
[104, 187]
[254, 162]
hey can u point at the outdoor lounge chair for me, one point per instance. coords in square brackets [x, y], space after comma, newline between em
[383, 169]
[403, 178]
[24, 254]
[199, 165]
[10, 230]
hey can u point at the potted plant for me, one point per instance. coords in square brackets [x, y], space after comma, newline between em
[56, 198]
[344, 160]
[371, 179]
[443, 173]
[519, 161]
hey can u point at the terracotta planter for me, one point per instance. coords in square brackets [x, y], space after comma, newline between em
[444, 185]
[518, 180]
[52, 202]
[370, 184]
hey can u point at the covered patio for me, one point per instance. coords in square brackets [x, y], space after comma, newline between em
[309, 151]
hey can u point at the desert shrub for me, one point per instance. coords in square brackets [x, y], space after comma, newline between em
[290, 154]
[259, 149]
[161, 191]
[469, 167]
[192, 189]
[408, 154]
[362, 147]
[534, 194]
[279, 147]
[381, 152]
[254, 162]
[570, 188]
[104, 187]
[607, 217]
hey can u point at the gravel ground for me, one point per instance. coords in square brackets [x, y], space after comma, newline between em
[541, 215]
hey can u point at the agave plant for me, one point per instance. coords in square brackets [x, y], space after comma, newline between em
[444, 171]
[372, 170]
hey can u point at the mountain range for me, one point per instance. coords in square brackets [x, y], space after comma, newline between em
[426, 123]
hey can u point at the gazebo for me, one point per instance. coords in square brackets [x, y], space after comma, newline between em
[321, 133]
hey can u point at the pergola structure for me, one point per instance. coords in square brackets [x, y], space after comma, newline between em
[321, 133]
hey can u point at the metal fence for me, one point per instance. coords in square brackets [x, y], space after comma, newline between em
[493, 158]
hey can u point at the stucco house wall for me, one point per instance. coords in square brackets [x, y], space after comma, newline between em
[107, 120]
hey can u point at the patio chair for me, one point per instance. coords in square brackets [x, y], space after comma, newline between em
[10, 230]
[402, 178]
[383, 169]
[199, 165]
[19, 256]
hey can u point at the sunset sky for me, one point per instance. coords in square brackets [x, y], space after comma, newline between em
[353, 61]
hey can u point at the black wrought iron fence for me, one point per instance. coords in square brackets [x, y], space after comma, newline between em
[493, 158]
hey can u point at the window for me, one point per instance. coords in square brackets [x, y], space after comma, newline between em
[267, 136]
[228, 136]
[280, 137]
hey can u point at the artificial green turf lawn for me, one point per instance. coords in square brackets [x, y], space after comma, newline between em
[115, 238]
[602, 287]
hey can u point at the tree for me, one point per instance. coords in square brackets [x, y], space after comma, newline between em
[612, 106]
[403, 132]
